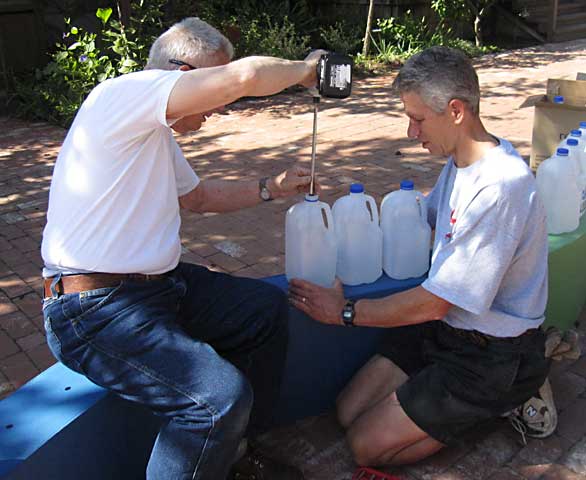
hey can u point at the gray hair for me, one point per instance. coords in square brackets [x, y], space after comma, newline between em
[438, 75]
[192, 41]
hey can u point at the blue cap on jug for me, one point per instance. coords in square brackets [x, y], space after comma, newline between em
[407, 185]
[356, 188]
[562, 152]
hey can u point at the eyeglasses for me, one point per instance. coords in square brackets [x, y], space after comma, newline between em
[181, 63]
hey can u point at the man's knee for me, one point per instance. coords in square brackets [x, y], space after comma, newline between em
[232, 400]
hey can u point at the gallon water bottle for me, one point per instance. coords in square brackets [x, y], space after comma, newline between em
[582, 148]
[310, 242]
[558, 188]
[406, 233]
[359, 237]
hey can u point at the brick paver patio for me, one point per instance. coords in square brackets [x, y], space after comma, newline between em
[360, 139]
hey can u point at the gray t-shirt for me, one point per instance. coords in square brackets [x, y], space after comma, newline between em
[490, 252]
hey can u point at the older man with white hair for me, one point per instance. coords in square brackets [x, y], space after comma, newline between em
[203, 350]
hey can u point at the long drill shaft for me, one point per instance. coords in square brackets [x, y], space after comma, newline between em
[313, 146]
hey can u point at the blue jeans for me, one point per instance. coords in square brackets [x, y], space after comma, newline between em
[194, 347]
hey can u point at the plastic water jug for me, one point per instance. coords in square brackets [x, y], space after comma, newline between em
[577, 156]
[359, 237]
[406, 233]
[310, 242]
[558, 188]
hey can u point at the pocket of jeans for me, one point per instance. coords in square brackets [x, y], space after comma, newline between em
[91, 301]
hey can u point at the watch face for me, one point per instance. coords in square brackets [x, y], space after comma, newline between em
[265, 194]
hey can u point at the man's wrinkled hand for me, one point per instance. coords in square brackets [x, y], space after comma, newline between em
[291, 182]
[310, 80]
[321, 303]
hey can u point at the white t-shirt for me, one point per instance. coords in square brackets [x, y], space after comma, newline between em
[490, 252]
[113, 203]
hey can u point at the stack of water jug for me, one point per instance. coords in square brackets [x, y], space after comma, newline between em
[561, 183]
[349, 242]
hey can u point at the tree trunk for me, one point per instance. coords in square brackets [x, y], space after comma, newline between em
[123, 11]
[366, 43]
[478, 30]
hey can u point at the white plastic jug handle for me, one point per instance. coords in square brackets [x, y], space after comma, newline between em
[373, 209]
[422, 207]
[326, 208]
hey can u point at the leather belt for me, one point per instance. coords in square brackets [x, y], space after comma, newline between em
[92, 281]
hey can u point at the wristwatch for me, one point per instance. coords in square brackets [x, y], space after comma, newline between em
[348, 313]
[263, 191]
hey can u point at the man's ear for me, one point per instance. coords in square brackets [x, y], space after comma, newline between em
[457, 110]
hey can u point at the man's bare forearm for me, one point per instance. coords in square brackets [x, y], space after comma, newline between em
[410, 307]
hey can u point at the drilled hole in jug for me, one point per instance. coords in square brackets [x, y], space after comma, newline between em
[325, 218]
[369, 208]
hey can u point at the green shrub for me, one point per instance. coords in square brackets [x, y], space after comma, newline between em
[85, 59]
[265, 36]
[341, 37]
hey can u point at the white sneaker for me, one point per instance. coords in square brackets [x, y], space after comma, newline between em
[537, 417]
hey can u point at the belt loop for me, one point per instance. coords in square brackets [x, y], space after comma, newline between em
[56, 280]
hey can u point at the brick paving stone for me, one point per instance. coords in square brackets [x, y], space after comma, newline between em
[489, 455]
[505, 474]
[226, 262]
[572, 421]
[29, 272]
[430, 468]
[41, 356]
[532, 472]
[567, 386]
[575, 459]
[538, 451]
[30, 304]
[14, 286]
[18, 369]
[579, 367]
[6, 306]
[6, 388]
[14, 257]
[7, 346]
[4, 270]
[31, 341]
[17, 325]
[559, 472]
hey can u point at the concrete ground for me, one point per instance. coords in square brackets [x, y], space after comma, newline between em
[361, 139]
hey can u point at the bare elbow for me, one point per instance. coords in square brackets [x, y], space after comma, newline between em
[248, 77]
[440, 309]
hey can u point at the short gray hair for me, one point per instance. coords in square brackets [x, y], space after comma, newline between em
[438, 75]
[191, 40]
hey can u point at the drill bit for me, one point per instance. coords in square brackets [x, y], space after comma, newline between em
[313, 142]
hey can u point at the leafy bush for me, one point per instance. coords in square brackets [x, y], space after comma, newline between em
[265, 36]
[85, 59]
[470, 48]
[341, 37]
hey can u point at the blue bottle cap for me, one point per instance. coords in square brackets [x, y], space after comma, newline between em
[582, 124]
[407, 185]
[356, 188]
[576, 133]
[572, 142]
[562, 152]
[558, 99]
[311, 198]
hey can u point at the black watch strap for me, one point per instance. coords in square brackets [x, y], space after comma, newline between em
[348, 313]
[263, 191]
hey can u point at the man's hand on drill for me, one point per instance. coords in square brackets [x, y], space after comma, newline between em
[291, 182]
[311, 80]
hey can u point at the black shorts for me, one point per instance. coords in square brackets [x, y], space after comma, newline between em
[459, 379]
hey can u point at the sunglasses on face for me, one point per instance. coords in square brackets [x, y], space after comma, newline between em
[181, 63]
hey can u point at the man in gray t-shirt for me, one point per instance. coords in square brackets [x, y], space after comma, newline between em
[465, 346]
